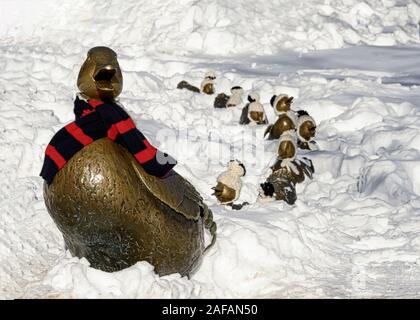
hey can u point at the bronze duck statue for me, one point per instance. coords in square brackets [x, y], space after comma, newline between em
[110, 210]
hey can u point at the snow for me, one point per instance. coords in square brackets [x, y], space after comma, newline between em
[353, 65]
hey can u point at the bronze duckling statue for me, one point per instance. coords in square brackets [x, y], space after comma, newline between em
[114, 197]
[223, 100]
[287, 171]
[306, 130]
[229, 185]
[253, 112]
[286, 118]
[207, 85]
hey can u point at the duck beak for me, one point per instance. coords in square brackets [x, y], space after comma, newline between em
[313, 131]
[104, 76]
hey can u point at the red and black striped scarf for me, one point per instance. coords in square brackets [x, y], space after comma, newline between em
[95, 120]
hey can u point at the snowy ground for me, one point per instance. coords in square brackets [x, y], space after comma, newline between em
[353, 65]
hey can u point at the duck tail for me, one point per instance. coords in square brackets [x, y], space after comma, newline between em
[185, 85]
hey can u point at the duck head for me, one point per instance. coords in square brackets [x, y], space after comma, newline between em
[306, 125]
[281, 103]
[100, 76]
[307, 130]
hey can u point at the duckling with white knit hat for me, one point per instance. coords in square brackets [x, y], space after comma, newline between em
[306, 130]
[253, 112]
[286, 119]
[287, 171]
[222, 100]
[229, 183]
[236, 98]
[207, 85]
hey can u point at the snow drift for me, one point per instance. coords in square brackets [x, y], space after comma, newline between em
[354, 231]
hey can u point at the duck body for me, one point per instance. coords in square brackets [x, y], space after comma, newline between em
[207, 85]
[109, 212]
[285, 122]
[253, 112]
[229, 183]
[281, 183]
[224, 193]
[185, 85]
[287, 171]
[286, 118]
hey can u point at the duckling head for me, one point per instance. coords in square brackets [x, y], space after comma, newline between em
[306, 126]
[100, 76]
[281, 103]
[307, 130]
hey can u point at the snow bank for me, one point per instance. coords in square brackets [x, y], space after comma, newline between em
[353, 231]
[216, 27]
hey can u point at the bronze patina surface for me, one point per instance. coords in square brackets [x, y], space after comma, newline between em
[221, 100]
[307, 130]
[110, 212]
[185, 85]
[282, 124]
[208, 88]
[286, 150]
[223, 193]
[284, 104]
[100, 76]
[305, 168]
